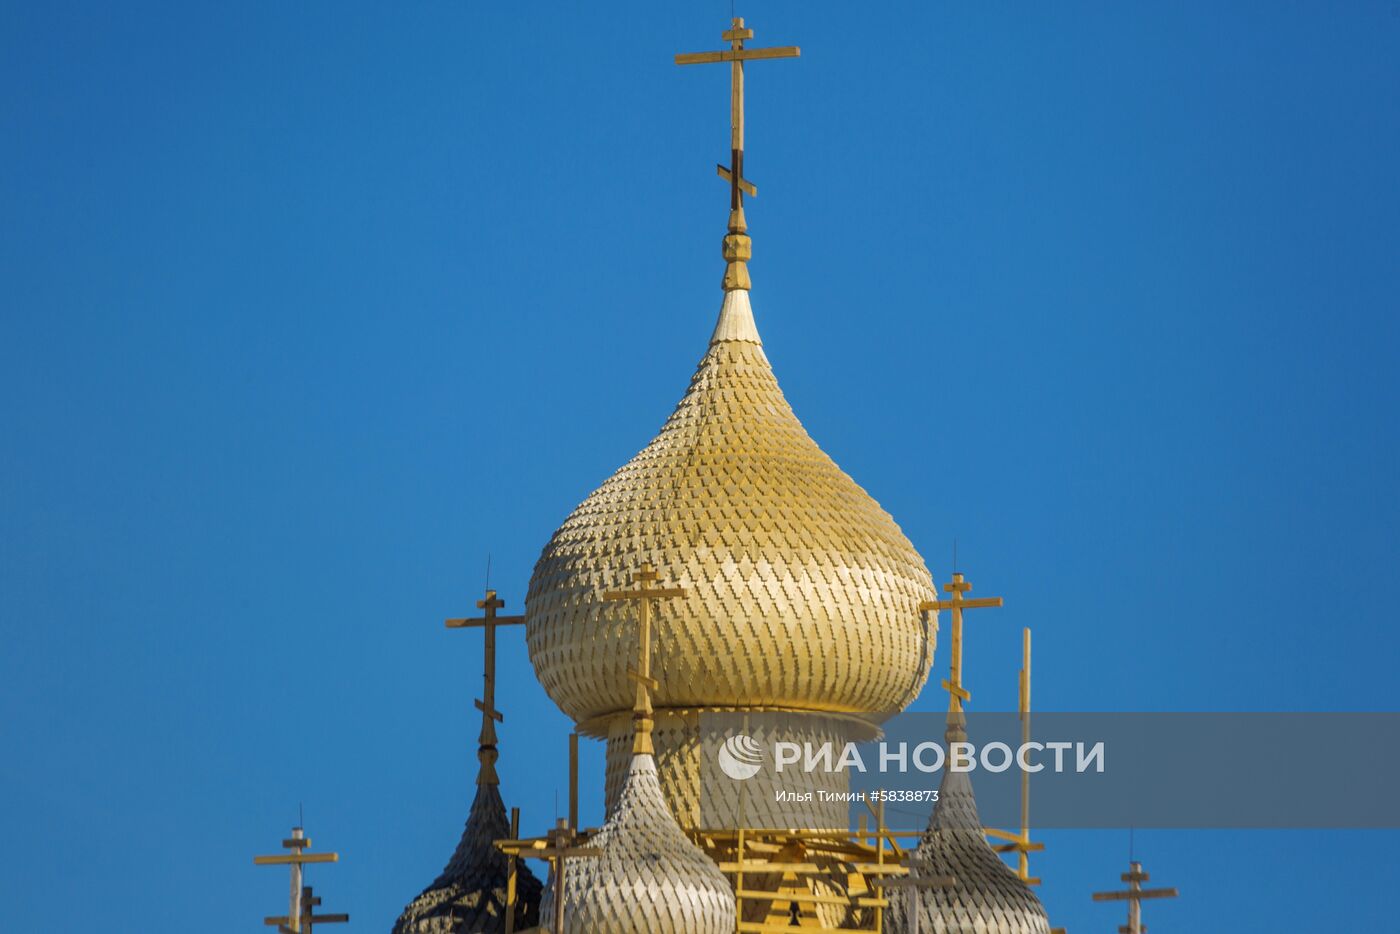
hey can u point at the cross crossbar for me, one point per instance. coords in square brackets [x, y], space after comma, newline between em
[1134, 895]
[738, 55]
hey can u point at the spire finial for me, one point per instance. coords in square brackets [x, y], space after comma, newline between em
[737, 247]
[644, 593]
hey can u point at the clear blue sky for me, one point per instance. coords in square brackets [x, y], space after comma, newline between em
[305, 308]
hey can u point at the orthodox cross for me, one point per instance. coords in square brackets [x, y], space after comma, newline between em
[560, 847]
[644, 593]
[958, 586]
[309, 918]
[737, 248]
[490, 716]
[736, 55]
[298, 857]
[1134, 896]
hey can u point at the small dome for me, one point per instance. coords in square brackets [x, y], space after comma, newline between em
[648, 878]
[989, 897]
[470, 894]
[801, 591]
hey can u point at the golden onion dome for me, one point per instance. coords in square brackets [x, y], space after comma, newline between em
[801, 591]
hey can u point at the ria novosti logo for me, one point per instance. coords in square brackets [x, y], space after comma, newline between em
[741, 757]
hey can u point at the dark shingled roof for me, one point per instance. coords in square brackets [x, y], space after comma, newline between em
[469, 897]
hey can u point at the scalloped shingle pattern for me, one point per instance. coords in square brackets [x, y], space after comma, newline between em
[989, 897]
[802, 591]
[648, 878]
[678, 756]
[469, 897]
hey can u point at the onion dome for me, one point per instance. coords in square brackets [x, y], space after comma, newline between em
[989, 898]
[802, 592]
[648, 877]
[470, 894]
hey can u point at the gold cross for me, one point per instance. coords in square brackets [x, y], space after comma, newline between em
[1135, 895]
[737, 248]
[490, 716]
[298, 857]
[644, 593]
[736, 55]
[561, 847]
[958, 586]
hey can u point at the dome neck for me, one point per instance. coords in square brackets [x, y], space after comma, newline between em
[735, 321]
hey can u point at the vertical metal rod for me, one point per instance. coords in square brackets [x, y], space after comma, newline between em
[1134, 905]
[736, 95]
[1023, 858]
[512, 872]
[880, 860]
[955, 656]
[294, 907]
[573, 779]
[739, 882]
[559, 880]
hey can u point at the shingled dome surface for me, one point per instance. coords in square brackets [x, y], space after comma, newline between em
[648, 878]
[802, 591]
[989, 897]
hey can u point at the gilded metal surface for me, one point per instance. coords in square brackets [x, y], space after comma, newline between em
[470, 894]
[648, 878]
[989, 898]
[737, 250]
[801, 592]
